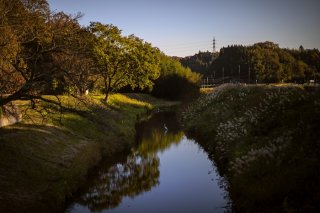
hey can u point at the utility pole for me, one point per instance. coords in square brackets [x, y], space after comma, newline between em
[239, 74]
[214, 45]
[223, 74]
[249, 75]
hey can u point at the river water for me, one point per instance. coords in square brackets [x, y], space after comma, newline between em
[165, 172]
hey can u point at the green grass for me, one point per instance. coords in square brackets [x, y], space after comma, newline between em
[44, 159]
[265, 141]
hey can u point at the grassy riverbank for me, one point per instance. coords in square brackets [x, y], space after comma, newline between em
[265, 141]
[44, 159]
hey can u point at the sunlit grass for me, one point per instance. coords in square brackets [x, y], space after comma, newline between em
[118, 100]
[207, 90]
[48, 154]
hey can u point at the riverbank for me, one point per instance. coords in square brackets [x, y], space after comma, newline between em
[265, 141]
[47, 156]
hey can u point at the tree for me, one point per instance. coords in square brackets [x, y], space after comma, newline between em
[74, 62]
[310, 57]
[229, 60]
[123, 60]
[176, 82]
[36, 39]
[199, 62]
[287, 63]
[272, 67]
[24, 24]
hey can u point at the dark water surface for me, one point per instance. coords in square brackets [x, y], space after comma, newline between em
[165, 172]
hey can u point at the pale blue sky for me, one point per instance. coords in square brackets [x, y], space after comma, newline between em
[183, 27]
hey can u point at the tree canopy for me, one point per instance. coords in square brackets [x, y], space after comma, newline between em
[123, 60]
[199, 62]
[263, 62]
[35, 41]
[45, 52]
[176, 82]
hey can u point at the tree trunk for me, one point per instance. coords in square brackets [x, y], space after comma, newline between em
[107, 83]
[106, 97]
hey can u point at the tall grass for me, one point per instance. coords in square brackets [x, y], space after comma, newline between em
[266, 142]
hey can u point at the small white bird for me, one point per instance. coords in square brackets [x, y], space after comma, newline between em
[165, 128]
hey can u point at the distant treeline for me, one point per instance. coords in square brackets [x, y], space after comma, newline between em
[263, 62]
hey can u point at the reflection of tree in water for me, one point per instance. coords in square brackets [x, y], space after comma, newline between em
[131, 178]
[159, 142]
[153, 136]
[139, 173]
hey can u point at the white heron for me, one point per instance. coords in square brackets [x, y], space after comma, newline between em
[165, 128]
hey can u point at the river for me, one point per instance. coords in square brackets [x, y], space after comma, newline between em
[164, 172]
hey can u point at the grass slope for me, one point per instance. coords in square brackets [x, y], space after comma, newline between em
[265, 141]
[44, 159]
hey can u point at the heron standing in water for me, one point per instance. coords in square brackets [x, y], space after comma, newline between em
[165, 128]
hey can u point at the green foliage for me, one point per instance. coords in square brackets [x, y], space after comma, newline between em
[123, 60]
[265, 142]
[37, 48]
[263, 62]
[41, 48]
[175, 82]
[200, 62]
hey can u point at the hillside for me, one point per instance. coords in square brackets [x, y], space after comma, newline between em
[263, 62]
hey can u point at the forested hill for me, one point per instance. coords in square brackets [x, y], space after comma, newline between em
[263, 62]
[199, 62]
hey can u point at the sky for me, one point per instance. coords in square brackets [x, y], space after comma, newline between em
[185, 27]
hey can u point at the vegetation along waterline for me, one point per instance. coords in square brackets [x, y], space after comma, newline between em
[265, 141]
[47, 156]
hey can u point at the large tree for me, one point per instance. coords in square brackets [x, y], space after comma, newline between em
[123, 61]
[23, 36]
[73, 61]
[34, 41]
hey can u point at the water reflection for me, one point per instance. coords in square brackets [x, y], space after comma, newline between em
[136, 175]
[139, 172]
[133, 183]
[158, 134]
